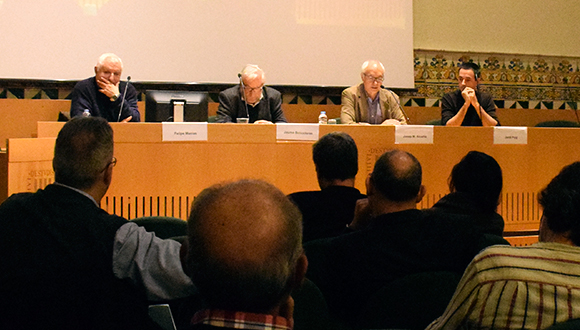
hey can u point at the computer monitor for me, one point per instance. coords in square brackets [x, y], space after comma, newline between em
[175, 106]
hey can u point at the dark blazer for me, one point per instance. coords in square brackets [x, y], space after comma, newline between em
[348, 269]
[232, 106]
[463, 204]
[86, 95]
[56, 259]
[325, 213]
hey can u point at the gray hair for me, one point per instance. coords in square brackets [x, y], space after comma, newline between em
[108, 56]
[83, 149]
[252, 71]
[366, 64]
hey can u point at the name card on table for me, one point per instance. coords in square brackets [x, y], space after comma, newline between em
[184, 131]
[300, 132]
[510, 135]
[414, 134]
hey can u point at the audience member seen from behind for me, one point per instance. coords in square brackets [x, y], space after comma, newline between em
[467, 106]
[327, 212]
[369, 103]
[251, 100]
[395, 241]
[531, 287]
[245, 256]
[68, 264]
[475, 187]
[104, 94]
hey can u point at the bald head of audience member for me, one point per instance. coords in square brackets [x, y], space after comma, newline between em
[395, 183]
[335, 156]
[245, 247]
[560, 201]
[83, 155]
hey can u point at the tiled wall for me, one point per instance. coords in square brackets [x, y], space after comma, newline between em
[515, 81]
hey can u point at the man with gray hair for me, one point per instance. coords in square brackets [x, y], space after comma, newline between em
[245, 256]
[369, 103]
[68, 264]
[251, 100]
[104, 94]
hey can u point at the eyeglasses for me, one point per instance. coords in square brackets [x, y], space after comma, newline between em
[112, 162]
[252, 89]
[373, 79]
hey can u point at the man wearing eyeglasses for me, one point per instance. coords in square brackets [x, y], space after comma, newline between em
[68, 264]
[369, 103]
[251, 101]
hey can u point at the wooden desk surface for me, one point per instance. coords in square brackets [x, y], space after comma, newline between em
[155, 177]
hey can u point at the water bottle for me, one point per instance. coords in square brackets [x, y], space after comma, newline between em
[323, 118]
[86, 113]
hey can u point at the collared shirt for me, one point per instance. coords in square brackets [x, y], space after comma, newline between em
[375, 114]
[507, 287]
[147, 260]
[240, 320]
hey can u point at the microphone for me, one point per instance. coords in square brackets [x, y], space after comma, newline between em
[399, 104]
[123, 99]
[242, 95]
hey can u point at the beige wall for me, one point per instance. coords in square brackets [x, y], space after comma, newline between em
[542, 27]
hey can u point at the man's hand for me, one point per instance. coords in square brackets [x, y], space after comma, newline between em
[470, 98]
[391, 122]
[108, 88]
[126, 120]
[262, 121]
[362, 214]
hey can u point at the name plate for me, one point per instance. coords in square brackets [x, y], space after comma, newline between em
[510, 135]
[300, 132]
[414, 134]
[184, 131]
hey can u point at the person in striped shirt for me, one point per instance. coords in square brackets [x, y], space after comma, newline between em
[529, 287]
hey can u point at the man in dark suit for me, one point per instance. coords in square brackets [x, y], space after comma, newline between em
[325, 213]
[393, 241]
[251, 100]
[245, 256]
[65, 262]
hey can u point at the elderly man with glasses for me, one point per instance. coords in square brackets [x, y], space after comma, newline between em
[251, 101]
[369, 103]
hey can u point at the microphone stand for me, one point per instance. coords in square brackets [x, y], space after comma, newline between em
[399, 104]
[123, 99]
[243, 95]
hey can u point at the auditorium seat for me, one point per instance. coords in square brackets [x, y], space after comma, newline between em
[411, 302]
[558, 123]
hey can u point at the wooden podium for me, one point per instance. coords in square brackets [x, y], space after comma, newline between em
[155, 177]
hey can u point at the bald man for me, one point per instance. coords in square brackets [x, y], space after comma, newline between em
[104, 94]
[369, 103]
[251, 100]
[245, 255]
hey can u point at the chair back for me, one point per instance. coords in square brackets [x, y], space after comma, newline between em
[411, 302]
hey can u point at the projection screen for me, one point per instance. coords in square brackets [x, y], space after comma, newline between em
[296, 42]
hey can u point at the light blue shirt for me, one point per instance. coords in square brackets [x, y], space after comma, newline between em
[375, 113]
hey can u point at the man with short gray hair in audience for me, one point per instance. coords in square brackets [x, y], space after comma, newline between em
[251, 101]
[370, 103]
[68, 264]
